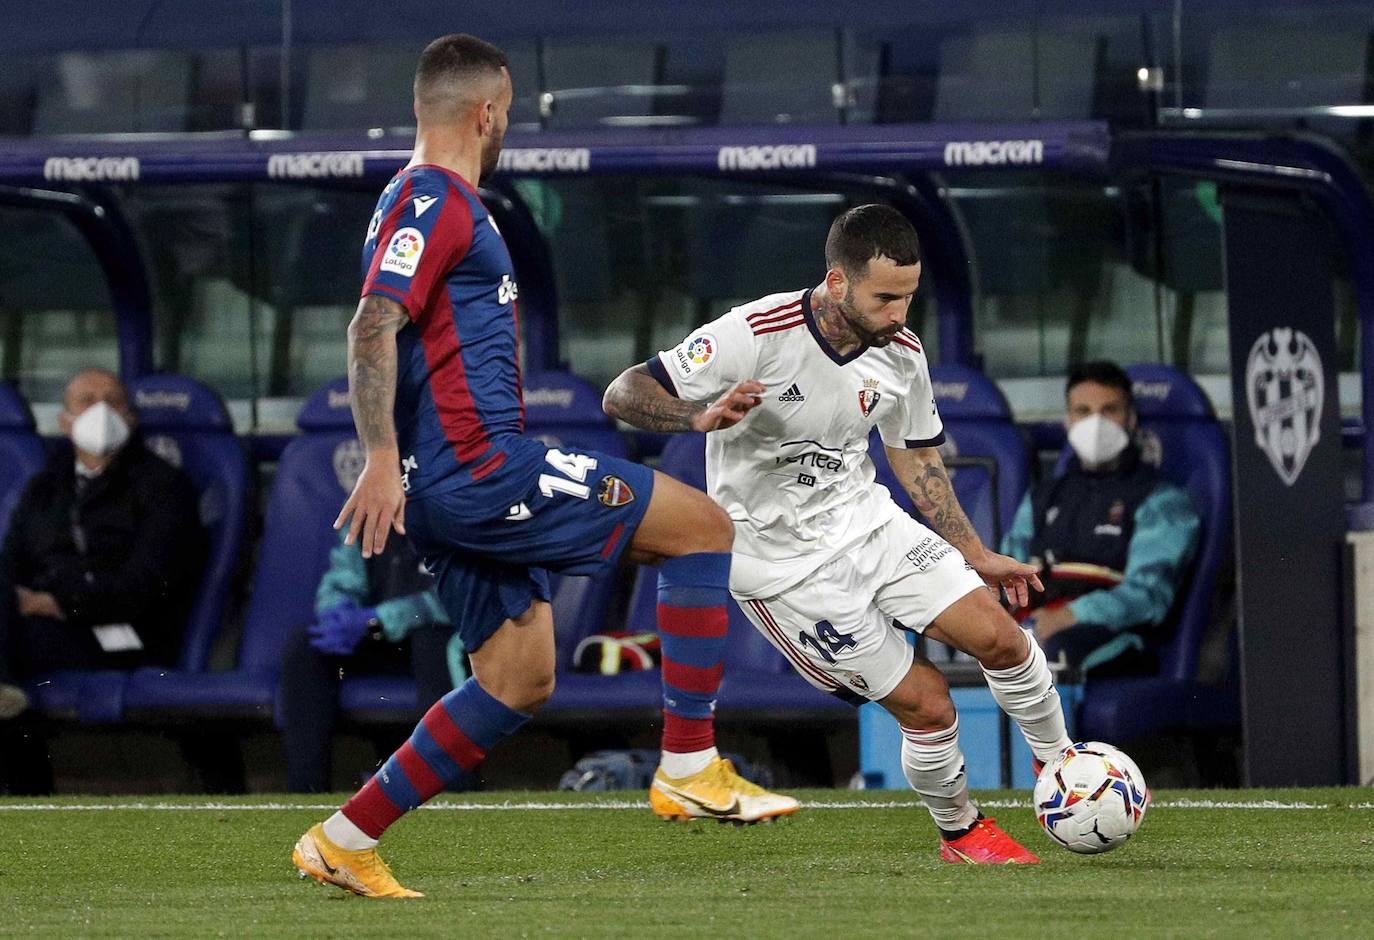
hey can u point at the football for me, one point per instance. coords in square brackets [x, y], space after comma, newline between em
[1091, 798]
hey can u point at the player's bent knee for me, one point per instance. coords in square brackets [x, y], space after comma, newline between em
[922, 701]
[523, 687]
[927, 712]
[1006, 648]
[720, 531]
[527, 695]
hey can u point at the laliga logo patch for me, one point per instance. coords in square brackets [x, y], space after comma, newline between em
[696, 353]
[1283, 383]
[614, 492]
[701, 349]
[868, 396]
[403, 252]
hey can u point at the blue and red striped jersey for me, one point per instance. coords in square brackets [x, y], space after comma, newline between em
[433, 248]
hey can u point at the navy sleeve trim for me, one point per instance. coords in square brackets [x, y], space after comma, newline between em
[655, 367]
[935, 441]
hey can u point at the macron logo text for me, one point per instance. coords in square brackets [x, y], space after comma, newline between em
[91, 169]
[314, 165]
[994, 152]
[544, 160]
[767, 157]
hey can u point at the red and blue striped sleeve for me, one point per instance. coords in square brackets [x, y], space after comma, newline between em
[422, 238]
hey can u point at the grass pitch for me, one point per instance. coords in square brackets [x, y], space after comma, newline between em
[1217, 863]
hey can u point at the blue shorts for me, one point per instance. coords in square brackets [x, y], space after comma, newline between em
[577, 519]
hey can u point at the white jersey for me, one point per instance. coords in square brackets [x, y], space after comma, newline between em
[795, 475]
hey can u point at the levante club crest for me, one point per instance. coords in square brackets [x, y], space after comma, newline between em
[868, 396]
[1283, 382]
[614, 492]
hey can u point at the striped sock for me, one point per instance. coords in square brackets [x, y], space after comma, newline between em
[448, 743]
[1027, 693]
[934, 766]
[692, 623]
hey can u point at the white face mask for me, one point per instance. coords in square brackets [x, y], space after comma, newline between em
[100, 430]
[1097, 440]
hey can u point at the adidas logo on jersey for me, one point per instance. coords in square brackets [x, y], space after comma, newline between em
[792, 394]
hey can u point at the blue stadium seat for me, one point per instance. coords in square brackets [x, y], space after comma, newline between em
[21, 452]
[95, 697]
[1180, 430]
[757, 677]
[186, 423]
[562, 410]
[314, 476]
[978, 424]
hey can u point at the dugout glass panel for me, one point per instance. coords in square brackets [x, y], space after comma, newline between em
[55, 313]
[640, 262]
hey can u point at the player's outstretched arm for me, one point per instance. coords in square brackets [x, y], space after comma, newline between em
[637, 398]
[923, 475]
[377, 504]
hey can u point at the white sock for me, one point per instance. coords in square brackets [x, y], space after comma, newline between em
[1027, 694]
[340, 830]
[679, 765]
[934, 766]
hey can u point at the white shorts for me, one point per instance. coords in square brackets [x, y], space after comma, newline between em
[843, 627]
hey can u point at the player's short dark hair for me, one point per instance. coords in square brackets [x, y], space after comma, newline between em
[456, 59]
[867, 232]
[1104, 373]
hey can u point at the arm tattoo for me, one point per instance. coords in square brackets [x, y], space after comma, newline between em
[637, 398]
[933, 494]
[372, 369]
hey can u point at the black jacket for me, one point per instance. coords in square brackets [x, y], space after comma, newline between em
[129, 549]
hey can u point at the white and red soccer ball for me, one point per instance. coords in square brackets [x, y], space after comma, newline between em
[1091, 798]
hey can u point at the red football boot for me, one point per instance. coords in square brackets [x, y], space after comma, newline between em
[985, 844]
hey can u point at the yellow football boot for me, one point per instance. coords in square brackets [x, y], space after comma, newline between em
[718, 792]
[363, 872]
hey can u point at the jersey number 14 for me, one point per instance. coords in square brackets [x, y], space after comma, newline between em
[574, 469]
[827, 641]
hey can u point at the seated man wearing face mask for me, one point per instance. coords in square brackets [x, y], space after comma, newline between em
[1113, 539]
[103, 552]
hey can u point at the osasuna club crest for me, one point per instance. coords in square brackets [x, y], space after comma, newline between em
[1284, 385]
[868, 396]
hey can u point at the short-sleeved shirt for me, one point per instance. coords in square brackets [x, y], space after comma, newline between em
[433, 248]
[795, 475]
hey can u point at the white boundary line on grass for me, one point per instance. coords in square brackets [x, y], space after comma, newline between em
[537, 806]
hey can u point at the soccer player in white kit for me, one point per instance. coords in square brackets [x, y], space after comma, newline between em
[825, 564]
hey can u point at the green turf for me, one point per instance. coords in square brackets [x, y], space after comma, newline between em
[619, 872]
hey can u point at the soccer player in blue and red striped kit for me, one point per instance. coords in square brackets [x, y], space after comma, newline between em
[434, 377]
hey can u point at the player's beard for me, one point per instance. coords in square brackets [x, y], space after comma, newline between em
[866, 336]
[491, 153]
